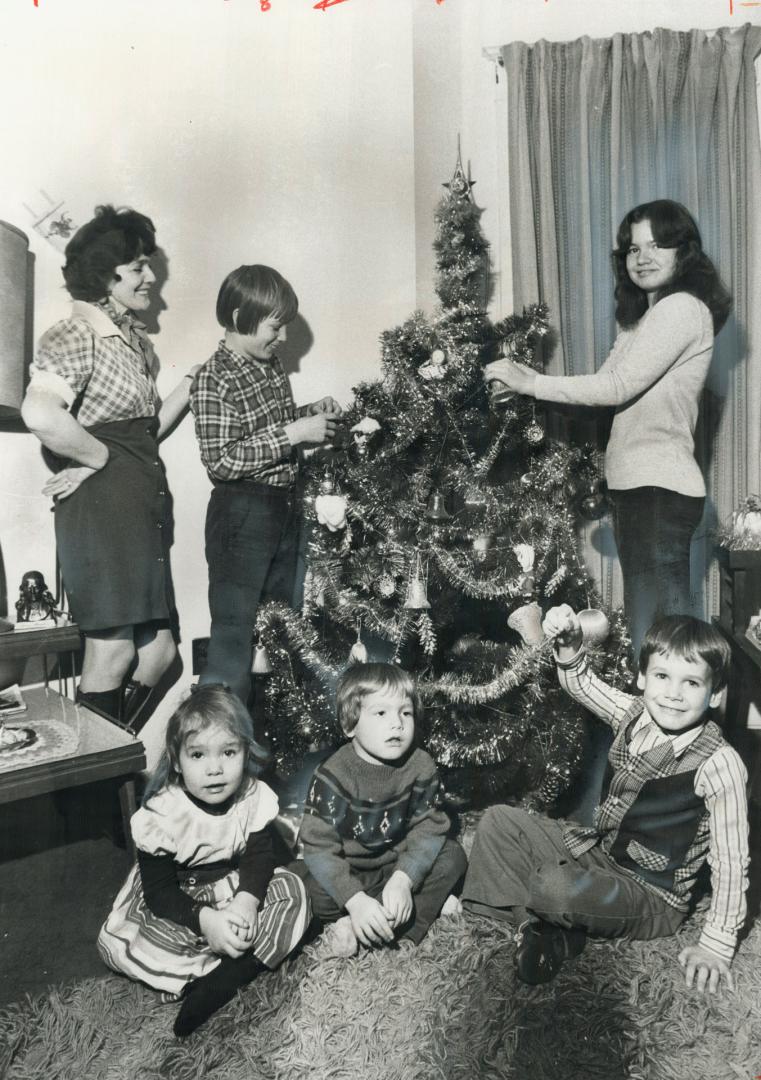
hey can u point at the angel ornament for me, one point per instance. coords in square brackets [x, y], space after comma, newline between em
[363, 434]
[435, 368]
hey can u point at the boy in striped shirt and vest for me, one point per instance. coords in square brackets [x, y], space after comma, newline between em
[673, 795]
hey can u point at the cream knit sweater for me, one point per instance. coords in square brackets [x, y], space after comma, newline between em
[653, 376]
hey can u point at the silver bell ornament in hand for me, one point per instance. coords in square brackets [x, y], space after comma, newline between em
[363, 434]
[595, 626]
[500, 393]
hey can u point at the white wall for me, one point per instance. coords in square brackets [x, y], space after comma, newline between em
[282, 137]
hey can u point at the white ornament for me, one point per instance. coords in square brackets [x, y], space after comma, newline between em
[527, 621]
[435, 368]
[331, 511]
[525, 555]
[363, 432]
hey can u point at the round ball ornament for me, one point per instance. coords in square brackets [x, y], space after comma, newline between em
[534, 433]
[595, 626]
[386, 586]
[327, 485]
[594, 504]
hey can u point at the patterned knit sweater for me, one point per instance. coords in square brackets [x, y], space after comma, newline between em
[361, 815]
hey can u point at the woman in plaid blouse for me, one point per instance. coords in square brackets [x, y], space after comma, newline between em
[92, 401]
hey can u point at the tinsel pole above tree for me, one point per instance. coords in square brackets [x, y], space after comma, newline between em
[441, 531]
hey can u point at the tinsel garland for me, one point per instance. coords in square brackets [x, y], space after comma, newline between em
[302, 636]
[478, 588]
[521, 664]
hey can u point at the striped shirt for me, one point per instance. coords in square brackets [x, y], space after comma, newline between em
[720, 781]
[103, 372]
[241, 407]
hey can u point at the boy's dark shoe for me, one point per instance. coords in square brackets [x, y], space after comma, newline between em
[543, 949]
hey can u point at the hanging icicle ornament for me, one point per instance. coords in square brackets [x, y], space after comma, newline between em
[261, 664]
[417, 598]
[363, 434]
[358, 652]
[435, 368]
[331, 511]
[595, 625]
[526, 620]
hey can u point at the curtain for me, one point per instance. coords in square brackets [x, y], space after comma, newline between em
[596, 127]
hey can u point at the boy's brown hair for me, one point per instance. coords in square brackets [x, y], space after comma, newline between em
[691, 639]
[363, 679]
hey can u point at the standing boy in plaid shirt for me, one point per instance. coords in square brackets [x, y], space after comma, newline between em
[673, 795]
[248, 429]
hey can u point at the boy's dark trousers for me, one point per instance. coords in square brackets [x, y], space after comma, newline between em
[520, 866]
[252, 545]
[449, 867]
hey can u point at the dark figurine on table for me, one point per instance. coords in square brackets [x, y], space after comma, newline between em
[35, 602]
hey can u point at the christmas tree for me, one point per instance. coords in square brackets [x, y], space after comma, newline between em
[440, 532]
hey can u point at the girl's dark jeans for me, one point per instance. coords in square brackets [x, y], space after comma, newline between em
[252, 545]
[653, 528]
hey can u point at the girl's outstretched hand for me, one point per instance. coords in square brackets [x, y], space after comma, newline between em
[517, 377]
[224, 929]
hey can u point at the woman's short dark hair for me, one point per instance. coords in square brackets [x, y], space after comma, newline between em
[673, 227]
[256, 293]
[111, 239]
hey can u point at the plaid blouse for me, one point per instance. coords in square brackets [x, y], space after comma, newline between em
[240, 407]
[720, 781]
[102, 371]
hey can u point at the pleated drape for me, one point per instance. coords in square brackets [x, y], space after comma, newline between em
[596, 127]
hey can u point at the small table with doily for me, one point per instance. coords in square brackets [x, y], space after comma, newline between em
[56, 744]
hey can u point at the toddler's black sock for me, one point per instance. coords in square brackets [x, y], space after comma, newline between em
[204, 996]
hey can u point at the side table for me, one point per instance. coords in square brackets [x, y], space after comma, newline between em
[77, 747]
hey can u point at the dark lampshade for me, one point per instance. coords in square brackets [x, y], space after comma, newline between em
[14, 248]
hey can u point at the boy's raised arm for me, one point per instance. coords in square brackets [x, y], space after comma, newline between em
[561, 625]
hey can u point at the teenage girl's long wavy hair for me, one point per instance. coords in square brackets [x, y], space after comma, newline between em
[204, 707]
[673, 227]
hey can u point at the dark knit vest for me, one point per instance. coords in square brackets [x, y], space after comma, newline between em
[662, 816]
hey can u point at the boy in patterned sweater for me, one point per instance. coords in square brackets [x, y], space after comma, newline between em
[377, 859]
[673, 796]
